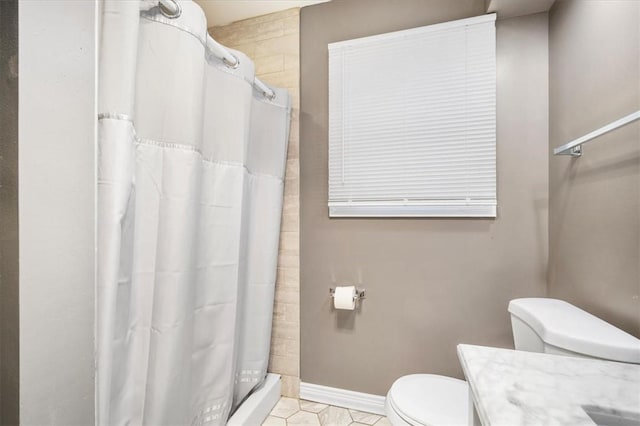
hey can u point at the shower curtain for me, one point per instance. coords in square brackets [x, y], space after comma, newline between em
[190, 185]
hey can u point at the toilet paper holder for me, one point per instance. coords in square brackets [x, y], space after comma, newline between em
[360, 293]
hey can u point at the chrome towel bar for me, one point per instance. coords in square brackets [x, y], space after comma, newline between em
[574, 148]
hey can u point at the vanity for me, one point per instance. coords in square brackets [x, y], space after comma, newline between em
[508, 387]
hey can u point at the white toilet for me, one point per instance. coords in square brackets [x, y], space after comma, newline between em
[539, 325]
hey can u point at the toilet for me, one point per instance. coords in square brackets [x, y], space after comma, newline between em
[539, 325]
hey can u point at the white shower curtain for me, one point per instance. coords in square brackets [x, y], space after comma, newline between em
[190, 181]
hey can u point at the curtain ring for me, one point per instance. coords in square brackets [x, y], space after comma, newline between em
[167, 12]
[230, 64]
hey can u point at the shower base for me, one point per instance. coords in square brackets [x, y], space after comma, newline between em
[255, 409]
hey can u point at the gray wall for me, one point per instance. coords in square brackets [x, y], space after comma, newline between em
[594, 221]
[432, 283]
[57, 181]
[9, 327]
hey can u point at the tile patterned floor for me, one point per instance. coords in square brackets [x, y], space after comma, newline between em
[293, 412]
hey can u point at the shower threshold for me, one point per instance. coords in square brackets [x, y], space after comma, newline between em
[255, 409]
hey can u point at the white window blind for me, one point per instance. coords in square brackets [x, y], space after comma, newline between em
[412, 122]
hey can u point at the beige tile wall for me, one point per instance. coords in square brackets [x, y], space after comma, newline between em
[273, 42]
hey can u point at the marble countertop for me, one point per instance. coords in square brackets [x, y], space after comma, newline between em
[525, 388]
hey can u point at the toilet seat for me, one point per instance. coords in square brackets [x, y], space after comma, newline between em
[428, 400]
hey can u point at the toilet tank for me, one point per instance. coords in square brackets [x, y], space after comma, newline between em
[557, 327]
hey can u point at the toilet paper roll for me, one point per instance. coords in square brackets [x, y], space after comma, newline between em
[344, 298]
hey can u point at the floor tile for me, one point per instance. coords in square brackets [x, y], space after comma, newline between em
[285, 407]
[362, 417]
[335, 416]
[303, 418]
[274, 421]
[312, 407]
[293, 412]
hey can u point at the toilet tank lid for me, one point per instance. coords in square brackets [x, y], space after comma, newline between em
[561, 324]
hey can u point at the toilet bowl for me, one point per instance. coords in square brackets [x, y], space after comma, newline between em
[539, 325]
[427, 399]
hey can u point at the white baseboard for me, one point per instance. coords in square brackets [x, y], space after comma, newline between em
[343, 398]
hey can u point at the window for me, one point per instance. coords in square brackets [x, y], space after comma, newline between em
[412, 122]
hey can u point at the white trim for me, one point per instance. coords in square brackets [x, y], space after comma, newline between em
[490, 17]
[256, 408]
[343, 398]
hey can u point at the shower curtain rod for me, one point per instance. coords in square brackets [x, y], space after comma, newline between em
[171, 9]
